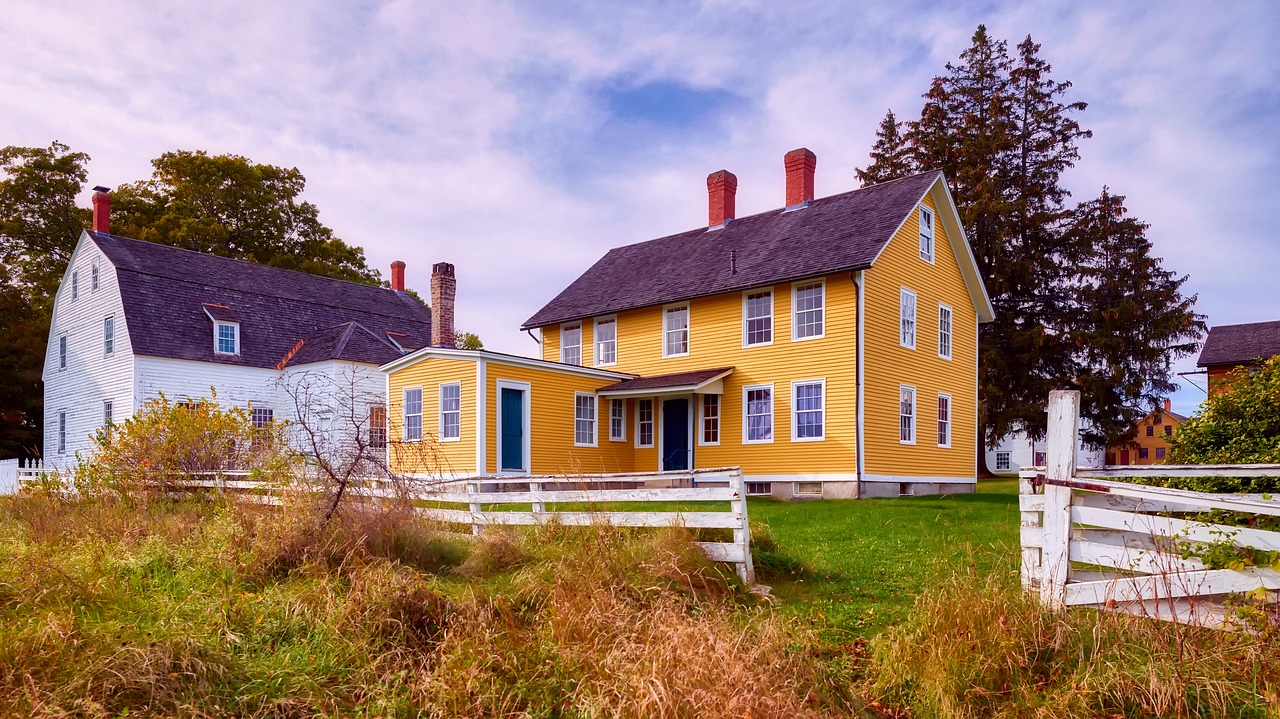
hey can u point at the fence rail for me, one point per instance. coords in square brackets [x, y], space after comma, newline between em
[1088, 541]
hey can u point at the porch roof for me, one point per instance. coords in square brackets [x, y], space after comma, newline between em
[704, 381]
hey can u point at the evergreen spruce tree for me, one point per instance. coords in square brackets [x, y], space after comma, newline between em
[891, 155]
[1131, 320]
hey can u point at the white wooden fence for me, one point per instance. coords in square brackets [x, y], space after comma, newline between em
[1091, 542]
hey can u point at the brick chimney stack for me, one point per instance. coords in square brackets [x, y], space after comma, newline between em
[397, 276]
[101, 209]
[722, 191]
[1168, 405]
[800, 165]
[443, 289]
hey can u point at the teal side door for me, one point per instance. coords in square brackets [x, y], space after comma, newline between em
[675, 434]
[512, 442]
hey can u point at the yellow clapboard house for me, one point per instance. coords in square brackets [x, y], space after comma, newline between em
[828, 347]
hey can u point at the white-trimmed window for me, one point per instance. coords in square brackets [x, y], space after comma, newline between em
[644, 423]
[75, 285]
[571, 344]
[926, 234]
[710, 420]
[108, 412]
[907, 414]
[907, 318]
[262, 417]
[808, 303]
[377, 426]
[413, 414]
[808, 410]
[757, 318]
[944, 419]
[93, 277]
[1003, 461]
[62, 352]
[617, 420]
[606, 341]
[757, 409]
[108, 334]
[807, 487]
[584, 420]
[226, 338]
[675, 331]
[450, 412]
[944, 331]
[62, 432]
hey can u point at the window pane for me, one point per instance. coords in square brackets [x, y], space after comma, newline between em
[584, 416]
[944, 420]
[378, 426]
[62, 352]
[808, 310]
[926, 235]
[645, 429]
[809, 411]
[227, 339]
[907, 415]
[450, 411]
[677, 331]
[262, 417]
[759, 414]
[606, 342]
[908, 319]
[109, 335]
[759, 318]
[944, 332]
[1002, 460]
[413, 414]
[710, 419]
[617, 419]
[571, 345]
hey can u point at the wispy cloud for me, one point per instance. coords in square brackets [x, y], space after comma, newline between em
[521, 140]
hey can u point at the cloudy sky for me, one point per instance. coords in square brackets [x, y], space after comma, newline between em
[522, 140]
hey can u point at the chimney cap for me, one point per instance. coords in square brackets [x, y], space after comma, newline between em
[100, 188]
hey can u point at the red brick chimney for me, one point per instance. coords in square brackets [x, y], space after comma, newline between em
[443, 289]
[1168, 405]
[397, 276]
[101, 209]
[800, 164]
[722, 191]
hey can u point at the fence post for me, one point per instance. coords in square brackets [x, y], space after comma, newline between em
[1060, 463]
[538, 507]
[1031, 535]
[742, 533]
[474, 505]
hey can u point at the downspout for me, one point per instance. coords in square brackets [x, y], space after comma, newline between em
[535, 339]
[859, 284]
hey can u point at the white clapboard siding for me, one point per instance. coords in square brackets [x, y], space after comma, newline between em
[1090, 542]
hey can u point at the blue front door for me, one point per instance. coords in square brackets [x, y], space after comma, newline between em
[512, 444]
[675, 434]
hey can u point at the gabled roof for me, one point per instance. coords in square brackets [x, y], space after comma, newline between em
[1237, 344]
[831, 234]
[171, 296]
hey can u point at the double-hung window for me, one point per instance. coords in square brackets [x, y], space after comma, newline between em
[226, 338]
[644, 423]
[62, 352]
[108, 412]
[93, 277]
[808, 302]
[377, 426]
[108, 334]
[757, 318]
[907, 318]
[944, 331]
[62, 432]
[617, 420]
[675, 331]
[75, 285]
[808, 415]
[944, 420]
[571, 344]
[757, 403]
[413, 414]
[710, 419]
[450, 412]
[926, 234]
[262, 417]
[584, 420]
[606, 342]
[907, 415]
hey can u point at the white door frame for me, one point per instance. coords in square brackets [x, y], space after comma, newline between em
[527, 455]
[689, 424]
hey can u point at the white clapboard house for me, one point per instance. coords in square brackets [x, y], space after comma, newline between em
[134, 319]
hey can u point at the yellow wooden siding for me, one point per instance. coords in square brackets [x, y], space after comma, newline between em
[889, 365]
[552, 416]
[551, 343]
[716, 340]
[431, 455]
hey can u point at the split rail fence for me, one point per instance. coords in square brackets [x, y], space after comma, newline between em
[1090, 542]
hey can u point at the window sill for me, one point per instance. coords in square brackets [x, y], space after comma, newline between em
[907, 347]
[758, 441]
[757, 344]
[912, 442]
[450, 439]
[823, 438]
[617, 439]
[708, 444]
[683, 354]
[810, 337]
[592, 445]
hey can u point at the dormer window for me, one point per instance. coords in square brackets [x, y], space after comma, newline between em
[926, 234]
[226, 338]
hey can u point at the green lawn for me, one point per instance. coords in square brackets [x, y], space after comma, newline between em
[867, 559]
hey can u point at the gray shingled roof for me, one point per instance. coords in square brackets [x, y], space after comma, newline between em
[833, 234]
[664, 381]
[167, 293]
[1234, 344]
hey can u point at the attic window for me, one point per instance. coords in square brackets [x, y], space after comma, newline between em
[226, 338]
[926, 234]
[93, 276]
